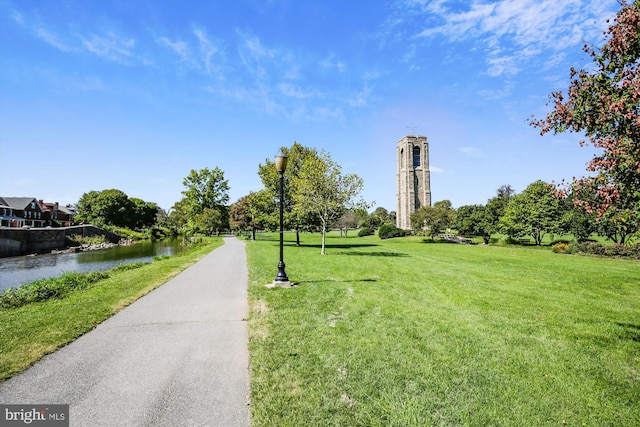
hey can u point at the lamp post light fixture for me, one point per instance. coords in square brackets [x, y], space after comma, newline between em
[281, 278]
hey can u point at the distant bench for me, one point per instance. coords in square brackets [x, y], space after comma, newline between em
[524, 241]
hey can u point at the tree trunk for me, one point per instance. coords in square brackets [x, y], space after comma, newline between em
[324, 232]
[537, 236]
[297, 237]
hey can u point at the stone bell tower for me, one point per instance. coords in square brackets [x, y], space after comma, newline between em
[414, 180]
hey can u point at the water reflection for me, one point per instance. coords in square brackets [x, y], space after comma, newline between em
[15, 271]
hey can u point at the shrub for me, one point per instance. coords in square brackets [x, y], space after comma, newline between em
[78, 240]
[595, 248]
[631, 251]
[366, 231]
[560, 248]
[573, 248]
[388, 231]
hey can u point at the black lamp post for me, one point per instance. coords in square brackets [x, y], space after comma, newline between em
[281, 165]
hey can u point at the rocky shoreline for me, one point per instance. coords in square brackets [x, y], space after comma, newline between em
[95, 247]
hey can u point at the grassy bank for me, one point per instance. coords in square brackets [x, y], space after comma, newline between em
[404, 333]
[29, 332]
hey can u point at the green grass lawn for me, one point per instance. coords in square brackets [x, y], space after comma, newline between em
[405, 333]
[27, 333]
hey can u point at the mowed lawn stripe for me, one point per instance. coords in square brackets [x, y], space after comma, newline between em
[402, 332]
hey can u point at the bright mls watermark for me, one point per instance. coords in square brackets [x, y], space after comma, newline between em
[34, 415]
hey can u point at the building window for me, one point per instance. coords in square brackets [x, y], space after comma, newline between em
[416, 156]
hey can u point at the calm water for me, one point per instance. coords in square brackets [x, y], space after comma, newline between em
[15, 271]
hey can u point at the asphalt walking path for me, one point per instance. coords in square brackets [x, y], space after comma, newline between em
[176, 357]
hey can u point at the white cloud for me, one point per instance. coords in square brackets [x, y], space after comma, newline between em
[331, 62]
[256, 48]
[43, 34]
[110, 47]
[361, 98]
[68, 38]
[207, 51]
[256, 58]
[180, 48]
[52, 39]
[503, 65]
[515, 31]
[435, 169]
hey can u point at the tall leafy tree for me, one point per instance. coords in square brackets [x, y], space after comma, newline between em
[436, 219]
[88, 210]
[252, 212]
[107, 207]
[144, 213]
[474, 220]
[324, 192]
[209, 221]
[497, 206]
[484, 220]
[534, 212]
[379, 217]
[295, 219]
[603, 102]
[576, 219]
[177, 217]
[206, 197]
[261, 207]
[239, 216]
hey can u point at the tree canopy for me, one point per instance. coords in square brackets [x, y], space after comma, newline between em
[474, 220]
[323, 192]
[268, 212]
[603, 102]
[316, 193]
[254, 211]
[206, 196]
[114, 207]
[534, 212]
[435, 219]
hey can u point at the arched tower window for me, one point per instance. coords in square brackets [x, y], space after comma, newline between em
[402, 158]
[416, 156]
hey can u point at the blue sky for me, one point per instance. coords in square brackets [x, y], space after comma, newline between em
[134, 94]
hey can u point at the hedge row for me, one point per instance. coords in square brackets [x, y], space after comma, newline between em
[595, 248]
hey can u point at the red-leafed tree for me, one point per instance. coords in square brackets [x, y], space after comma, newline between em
[603, 102]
